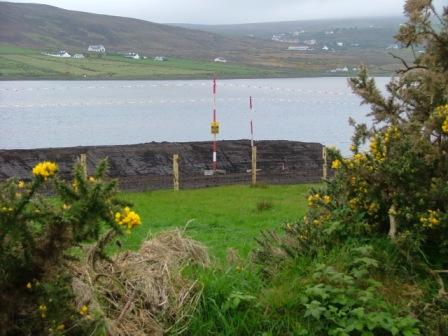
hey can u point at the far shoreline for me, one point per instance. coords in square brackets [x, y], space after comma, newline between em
[162, 78]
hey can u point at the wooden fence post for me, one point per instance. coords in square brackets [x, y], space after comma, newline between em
[325, 164]
[254, 165]
[83, 162]
[176, 171]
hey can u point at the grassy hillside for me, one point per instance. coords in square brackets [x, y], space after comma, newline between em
[40, 26]
[46, 28]
[378, 30]
[25, 63]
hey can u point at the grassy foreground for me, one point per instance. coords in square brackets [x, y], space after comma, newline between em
[25, 63]
[221, 217]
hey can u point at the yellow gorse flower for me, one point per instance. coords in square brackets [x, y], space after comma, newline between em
[45, 169]
[313, 199]
[127, 218]
[353, 203]
[445, 126]
[375, 149]
[373, 208]
[21, 184]
[392, 133]
[336, 164]
[43, 310]
[84, 310]
[75, 185]
[431, 219]
[358, 158]
[442, 112]
[316, 198]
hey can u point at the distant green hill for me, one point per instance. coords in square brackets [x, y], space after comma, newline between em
[377, 32]
[39, 28]
[42, 26]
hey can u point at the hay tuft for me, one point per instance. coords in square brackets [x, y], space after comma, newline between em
[143, 292]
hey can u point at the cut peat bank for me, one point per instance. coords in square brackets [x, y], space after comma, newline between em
[149, 166]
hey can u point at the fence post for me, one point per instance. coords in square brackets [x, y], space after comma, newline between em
[325, 165]
[176, 171]
[254, 165]
[83, 162]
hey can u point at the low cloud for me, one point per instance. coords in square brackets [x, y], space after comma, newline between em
[235, 11]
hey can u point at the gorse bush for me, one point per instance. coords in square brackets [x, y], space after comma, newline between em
[393, 189]
[37, 234]
[399, 185]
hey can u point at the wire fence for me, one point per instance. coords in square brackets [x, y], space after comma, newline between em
[145, 183]
[151, 167]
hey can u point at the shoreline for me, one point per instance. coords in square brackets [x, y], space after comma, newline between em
[166, 78]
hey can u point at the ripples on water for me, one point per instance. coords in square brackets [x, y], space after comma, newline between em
[35, 114]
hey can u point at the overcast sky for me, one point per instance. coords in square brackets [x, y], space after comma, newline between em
[234, 11]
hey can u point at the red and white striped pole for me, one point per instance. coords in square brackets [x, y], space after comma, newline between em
[215, 147]
[251, 122]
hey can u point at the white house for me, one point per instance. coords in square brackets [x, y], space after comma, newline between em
[61, 53]
[299, 48]
[78, 56]
[393, 46]
[325, 48]
[160, 58]
[344, 69]
[220, 59]
[97, 48]
[340, 44]
[132, 55]
[310, 42]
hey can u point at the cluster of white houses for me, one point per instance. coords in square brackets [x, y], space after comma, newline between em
[64, 54]
[100, 49]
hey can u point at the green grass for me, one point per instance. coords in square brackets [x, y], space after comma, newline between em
[221, 217]
[26, 63]
[23, 63]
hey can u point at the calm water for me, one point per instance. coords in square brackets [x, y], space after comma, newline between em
[35, 114]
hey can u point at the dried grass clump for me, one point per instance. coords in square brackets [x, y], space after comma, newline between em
[143, 293]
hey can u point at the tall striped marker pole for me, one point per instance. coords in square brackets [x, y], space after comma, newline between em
[251, 122]
[214, 127]
[253, 147]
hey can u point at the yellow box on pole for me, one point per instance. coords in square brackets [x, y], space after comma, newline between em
[214, 127]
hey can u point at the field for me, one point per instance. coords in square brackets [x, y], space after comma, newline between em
[24, 63]
[221, 217]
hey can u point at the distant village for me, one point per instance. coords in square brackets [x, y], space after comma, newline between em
[324, 42]
[101, 50]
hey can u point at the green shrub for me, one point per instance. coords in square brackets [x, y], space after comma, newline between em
[394, 186]
[37, 234]
[347, 303]
[399, 185]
